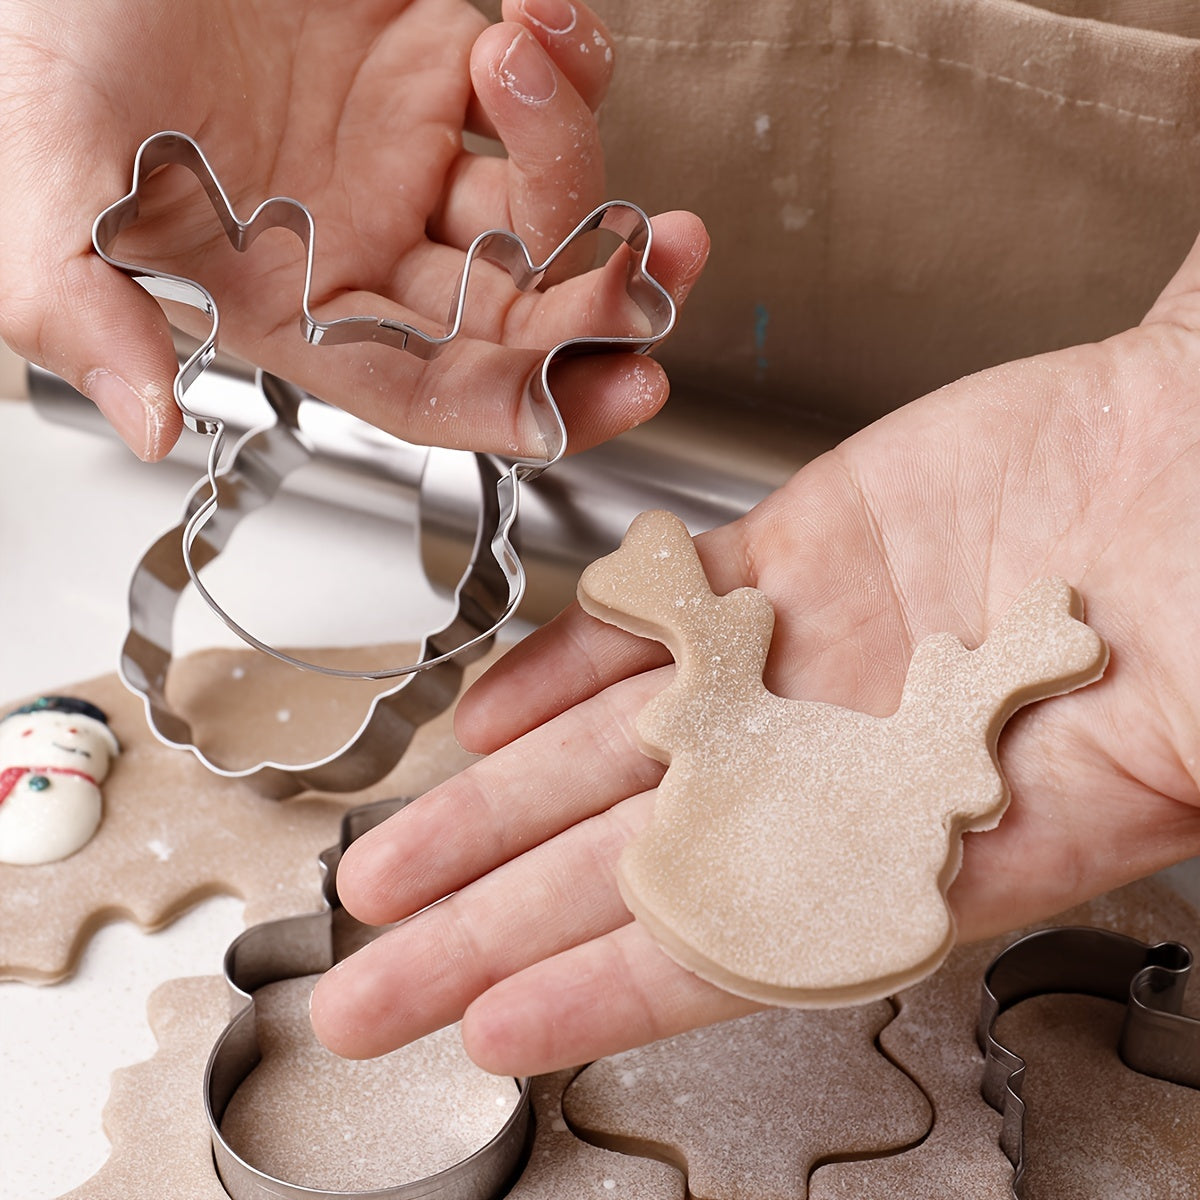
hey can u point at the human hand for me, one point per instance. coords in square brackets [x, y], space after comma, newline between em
[1080, 463]
[358, 110]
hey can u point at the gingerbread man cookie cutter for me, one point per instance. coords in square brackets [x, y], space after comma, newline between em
[1156, 1038]
[493, 582]
[305, 945]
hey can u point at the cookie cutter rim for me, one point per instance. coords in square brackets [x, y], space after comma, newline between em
[1150, 979]
[392, 716]
[500, 247]
[302, 945]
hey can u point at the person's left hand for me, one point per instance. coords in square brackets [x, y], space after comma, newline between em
[1081, 464]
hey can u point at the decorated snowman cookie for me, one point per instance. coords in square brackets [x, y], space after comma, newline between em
[54, 753]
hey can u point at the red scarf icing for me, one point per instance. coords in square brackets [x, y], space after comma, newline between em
[11, 776]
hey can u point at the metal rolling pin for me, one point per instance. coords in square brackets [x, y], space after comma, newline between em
[703, 458]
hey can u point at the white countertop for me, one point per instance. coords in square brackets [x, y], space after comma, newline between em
[76, 512]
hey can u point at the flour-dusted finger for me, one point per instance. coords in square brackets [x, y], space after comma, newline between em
[500, 808]
[423, 974]
[606, 995]
[553, 172]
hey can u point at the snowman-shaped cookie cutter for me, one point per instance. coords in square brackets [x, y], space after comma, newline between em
[304, 945]
[493, 582]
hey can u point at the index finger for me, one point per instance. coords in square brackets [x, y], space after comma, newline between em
[500, 807]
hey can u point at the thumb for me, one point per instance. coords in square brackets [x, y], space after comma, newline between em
[1179, 302]
[104, 335]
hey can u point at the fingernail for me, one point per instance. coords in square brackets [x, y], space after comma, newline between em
[554, 16]
[525, 71]
[124, 409]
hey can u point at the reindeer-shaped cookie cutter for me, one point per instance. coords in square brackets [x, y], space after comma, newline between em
[763, 794]
[493, 582]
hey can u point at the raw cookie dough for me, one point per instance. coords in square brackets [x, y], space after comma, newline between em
[155, 1112]
[753, 1100]
[174, 833]
[1093, 1127]
[562, 1167]
[800, 852]
[933, 1039]
[155, 1120]
[747, 1107]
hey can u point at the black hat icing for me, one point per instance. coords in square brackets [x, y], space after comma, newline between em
[63, 704]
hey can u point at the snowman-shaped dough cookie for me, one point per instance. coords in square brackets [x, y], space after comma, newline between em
[54, 753]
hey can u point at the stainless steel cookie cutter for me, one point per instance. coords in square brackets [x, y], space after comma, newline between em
[305, 945]
[1156, 1039]
[494, 581]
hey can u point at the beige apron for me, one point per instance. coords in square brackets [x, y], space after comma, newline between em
[903, 191]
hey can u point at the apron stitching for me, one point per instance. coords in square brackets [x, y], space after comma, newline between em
[908, 51]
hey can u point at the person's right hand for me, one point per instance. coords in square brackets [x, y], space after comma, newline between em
[358, 109]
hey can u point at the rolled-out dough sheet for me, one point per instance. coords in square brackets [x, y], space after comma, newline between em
[933, 1040]
[561, 1166]
[295, 1113]
[1092, 1126]
[748, 1107]
[173, 833]
[744, 1109]
[302, 1114]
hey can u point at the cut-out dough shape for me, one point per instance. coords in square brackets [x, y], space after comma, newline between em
[746, 1108]
[174, 833]
[933, 1039]
[800, 852]
[317, 1121]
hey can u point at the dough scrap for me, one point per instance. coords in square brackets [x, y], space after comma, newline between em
[933, 1040]
[800, 852]
[172, 833]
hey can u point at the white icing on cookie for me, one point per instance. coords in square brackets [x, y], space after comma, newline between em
[52, 762]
